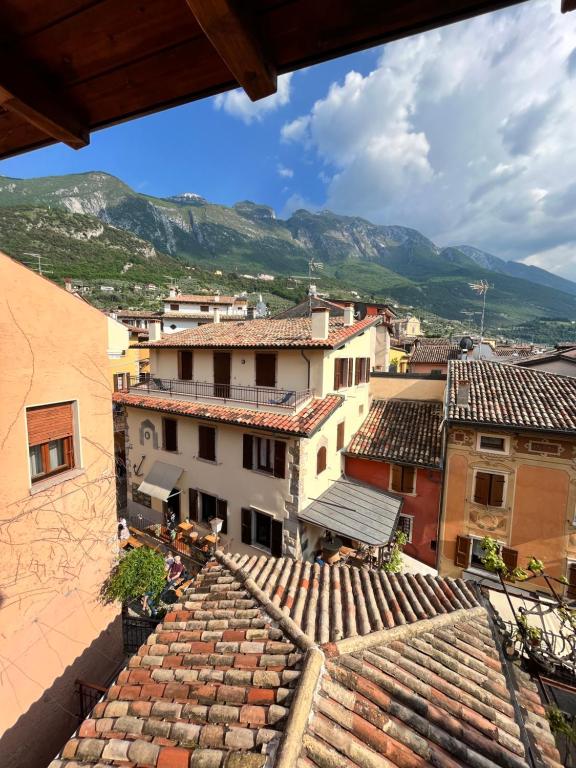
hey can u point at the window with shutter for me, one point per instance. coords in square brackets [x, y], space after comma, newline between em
[402, 478]
[338, 373]
[340, 433]
[358, 373]
[482, 487]
[170, 434]
[222, 511]
[350, 370]
[321, 460]
[193, 504]
[207, 443]
[246, 526]
[496, 490]
[279, 458]
[408, 475]
[265, 370]
[489, 489]
[463, 550]
[396, 478]
[510, 557]
[247, 451]
[50, 440]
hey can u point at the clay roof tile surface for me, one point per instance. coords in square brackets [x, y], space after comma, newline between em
[434, 351]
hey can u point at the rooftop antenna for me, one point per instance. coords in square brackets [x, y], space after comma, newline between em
[481, 288]
[38, 265]
[312, 266]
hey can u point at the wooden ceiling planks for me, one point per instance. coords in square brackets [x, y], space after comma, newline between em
[118, 59]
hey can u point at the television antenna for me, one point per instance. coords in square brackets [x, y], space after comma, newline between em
[38, 263]
[313, 266]
[481, 288]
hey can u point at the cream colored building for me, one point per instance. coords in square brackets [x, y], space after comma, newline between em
[183, 312]
[247, 421]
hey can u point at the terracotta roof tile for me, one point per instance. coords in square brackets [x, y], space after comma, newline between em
[269, 333]
[302, 424]
[434, 351]
[405, 431]
[512, 396]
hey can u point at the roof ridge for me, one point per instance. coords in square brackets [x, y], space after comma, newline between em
[287, 624]
[390, 635]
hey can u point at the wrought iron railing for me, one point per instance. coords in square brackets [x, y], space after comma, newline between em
[261, 397]
[136, 630]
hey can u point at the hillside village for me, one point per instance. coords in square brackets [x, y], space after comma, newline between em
[275, 493]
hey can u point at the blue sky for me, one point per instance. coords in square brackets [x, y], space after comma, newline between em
[464, 133]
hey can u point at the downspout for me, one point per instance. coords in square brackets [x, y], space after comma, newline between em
[308, 363]
[443, 467]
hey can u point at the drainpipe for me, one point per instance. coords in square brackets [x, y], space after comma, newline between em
[445, 425]
[308, 363]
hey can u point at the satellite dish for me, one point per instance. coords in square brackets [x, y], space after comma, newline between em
[466, 343]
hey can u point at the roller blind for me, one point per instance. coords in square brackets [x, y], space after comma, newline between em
[49, 422]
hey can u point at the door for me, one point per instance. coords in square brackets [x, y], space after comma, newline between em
[222, 374]
[185, 360]
[265, 370]
[172, 509]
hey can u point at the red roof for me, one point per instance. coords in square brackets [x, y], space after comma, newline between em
[295, 333]
[302, 424]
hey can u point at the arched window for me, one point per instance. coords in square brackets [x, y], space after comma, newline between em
[321, 460]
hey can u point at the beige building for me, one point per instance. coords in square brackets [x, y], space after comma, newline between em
[509, 471]
[57, 513]
[182, 312]
[247, 421]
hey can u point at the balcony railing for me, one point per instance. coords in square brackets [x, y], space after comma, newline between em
[259, 397]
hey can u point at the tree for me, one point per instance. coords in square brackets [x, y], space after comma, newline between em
[141, 571]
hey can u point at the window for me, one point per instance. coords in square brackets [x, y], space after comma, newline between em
[207, 443]
[362, 370]
[489, 489]
[405, 524]
[469, 554]
[492, 443]
[264, 454]
[204, 308]
[343, 372]
[340, 435]
[50, 440]
[261, 530]
[170, 434]
[321, 460]
[203, 507]
[119, 379]
[402, 478]
[185, 364]
[141, 498]
[265, 370]
[174, 307]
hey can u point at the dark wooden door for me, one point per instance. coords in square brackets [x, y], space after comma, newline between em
[222, 374]
[265, 370]
[185, 371]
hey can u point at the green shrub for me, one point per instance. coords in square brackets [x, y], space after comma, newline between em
[139, 572]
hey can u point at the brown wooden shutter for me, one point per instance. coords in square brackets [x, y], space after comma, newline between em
[340, 435]
[247, 453]
[279, 458]
[193, 504]
[408, 479]
[358, 371]
[366, 369]
[246, 532]
[266, 370]
[350, 370]
[497, 491]
[396, 477]
[510, 557]
[49, 422]
[321, 460]
[463, 549]
[185, 367]
[69, 452]
[571, 591]
[170, 432]
[338, 378]
[222, 513]
[276, 538]
[207, 442]
[482, 488]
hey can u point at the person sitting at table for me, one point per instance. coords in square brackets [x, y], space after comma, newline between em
[175, 571]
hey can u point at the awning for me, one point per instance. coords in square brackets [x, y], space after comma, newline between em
[160, 480]
[355, 510]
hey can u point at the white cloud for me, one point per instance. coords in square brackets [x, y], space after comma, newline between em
[466, 133]
[238, 104]
[285, 173]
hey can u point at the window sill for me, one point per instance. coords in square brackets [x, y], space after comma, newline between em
[214, 462]
[50, 482]
[262, 473]
[261, 548]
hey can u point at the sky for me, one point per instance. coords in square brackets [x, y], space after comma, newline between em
[467, 133]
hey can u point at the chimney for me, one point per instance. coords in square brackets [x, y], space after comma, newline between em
[173, 293]
[320, 323]
[250, 313]
[216, 314]
[68, 284]
[349, 314]
[216, 297]
[463, 393]
[154, 332]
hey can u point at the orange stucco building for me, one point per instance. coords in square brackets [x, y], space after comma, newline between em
[510, 471]
[57, 512]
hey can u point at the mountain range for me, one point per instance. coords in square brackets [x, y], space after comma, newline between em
[93, 225]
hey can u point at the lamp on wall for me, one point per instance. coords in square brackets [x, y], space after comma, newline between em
[216, 524]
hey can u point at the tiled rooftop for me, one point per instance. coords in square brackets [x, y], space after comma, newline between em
[294, 333]
[434, 351]
[143, 313]
[304, 423]
[167, 316]
[404, 431]
[512, 396]
[517, 350]
[203, 298]
[250, 672]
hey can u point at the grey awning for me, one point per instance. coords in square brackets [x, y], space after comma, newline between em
[160, 480]
[355, 510]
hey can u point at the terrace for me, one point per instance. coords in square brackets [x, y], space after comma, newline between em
[266, 398]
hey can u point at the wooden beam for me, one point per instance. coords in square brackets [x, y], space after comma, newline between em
[568, 5]
[234, 38]
[27, 92]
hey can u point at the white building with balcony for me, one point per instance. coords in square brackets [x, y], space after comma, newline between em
[247, 421]
[182, 312]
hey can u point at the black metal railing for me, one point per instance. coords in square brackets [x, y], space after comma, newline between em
[200, 390]
[136, 630]
[89, 695]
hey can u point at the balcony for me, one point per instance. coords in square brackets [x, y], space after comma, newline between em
[265, 398]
